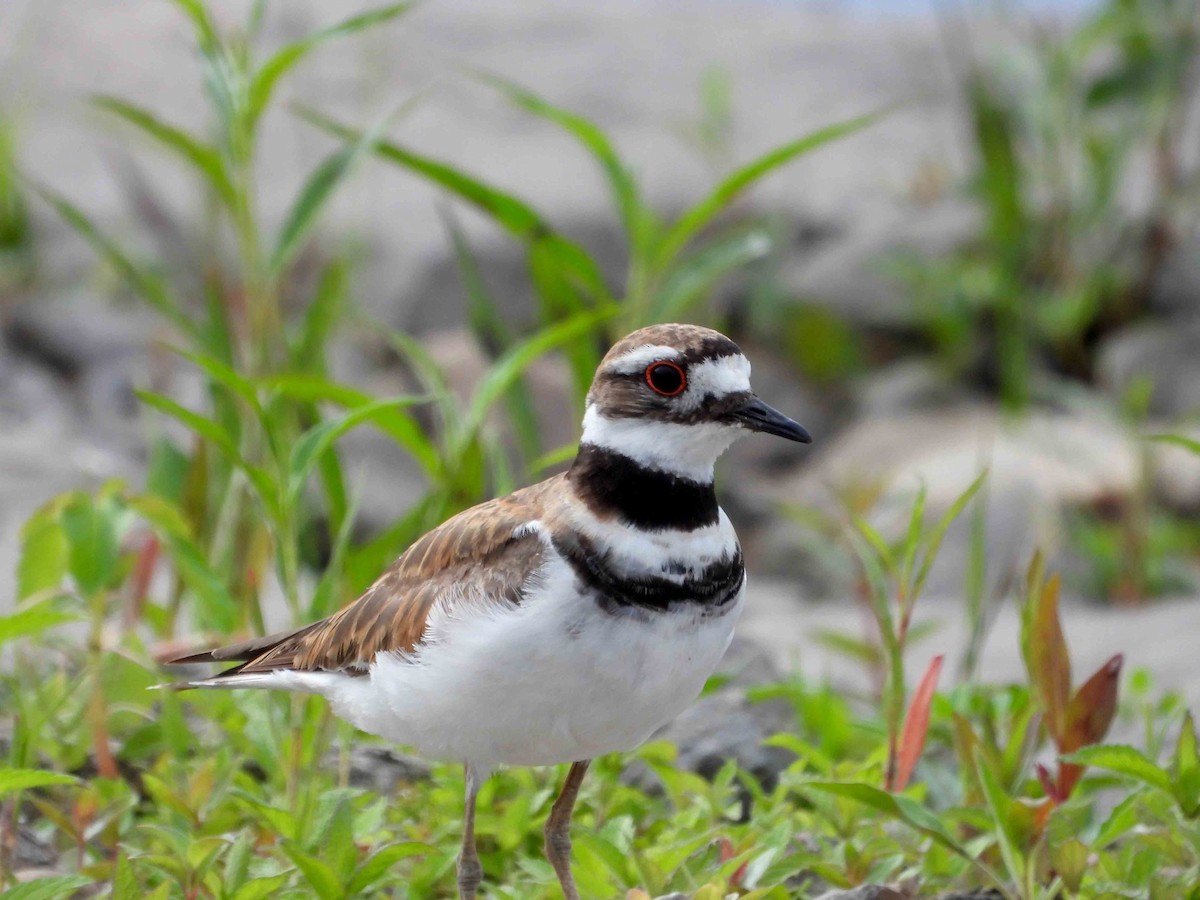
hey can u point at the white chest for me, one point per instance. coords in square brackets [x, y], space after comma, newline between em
[553, 680]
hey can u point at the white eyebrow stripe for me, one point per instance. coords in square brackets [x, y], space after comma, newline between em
[719, 377]
[637, 359]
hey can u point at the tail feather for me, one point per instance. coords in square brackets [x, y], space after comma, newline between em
[244, 653]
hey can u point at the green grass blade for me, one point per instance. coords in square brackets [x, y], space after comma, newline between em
[316, 192]
[320, 438]
[321, 319]
[32, 621]
[1123, 760]
[493, 335]
[512, 214]
[27, 779]
[934, 542]
[700, 215]
[692, 279]
[216, 608]
[1178, 440]
[223, 375]
[147, 285]
[263, 84]
[397, 424]
[620, 179]
[506, 370]
[203, 158]
[53, 888]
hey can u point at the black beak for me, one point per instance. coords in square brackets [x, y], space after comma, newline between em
[757, 416]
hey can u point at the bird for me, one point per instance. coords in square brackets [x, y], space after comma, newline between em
[567, 620]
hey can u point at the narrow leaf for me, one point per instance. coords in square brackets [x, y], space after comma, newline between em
[933, 542]
[263, 84]
[916, 724]
[30, 622]
[320, 438]
[316, 192]
[1123, 760]
[44, 554]
[27, 779]
[1091, 710]
[694, 276]
[1046, 656]
[52, 888]
[595, 141]
[147, 285]
[698, 216]
[203, 158]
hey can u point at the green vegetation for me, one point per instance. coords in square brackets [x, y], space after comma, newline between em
[210, 795]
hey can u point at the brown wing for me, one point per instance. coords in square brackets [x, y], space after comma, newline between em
[476, 556]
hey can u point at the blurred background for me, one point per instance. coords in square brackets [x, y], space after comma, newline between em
[997, 270]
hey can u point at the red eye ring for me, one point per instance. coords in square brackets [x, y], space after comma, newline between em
[666, 386]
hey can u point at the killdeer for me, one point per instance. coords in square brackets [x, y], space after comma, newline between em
[569, 619]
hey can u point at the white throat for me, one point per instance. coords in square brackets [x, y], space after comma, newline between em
[689, 451]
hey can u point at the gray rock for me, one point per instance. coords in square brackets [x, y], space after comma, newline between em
[850, 275]
[1162, 352]
[379, 769]
[866, 892]
[1175, 470]
[910, 385]
[1039, 467]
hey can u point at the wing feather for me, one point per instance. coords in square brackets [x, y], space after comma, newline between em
[484, 554]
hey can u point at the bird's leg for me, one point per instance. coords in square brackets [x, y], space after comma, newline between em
[470, 872]
[558, 829]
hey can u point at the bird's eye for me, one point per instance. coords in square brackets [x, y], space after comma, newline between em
[666, 378]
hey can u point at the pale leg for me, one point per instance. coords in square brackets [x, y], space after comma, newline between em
[558, 829]
[470, 872]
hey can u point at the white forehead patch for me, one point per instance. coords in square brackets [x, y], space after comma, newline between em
[719, 377]
[638, 358]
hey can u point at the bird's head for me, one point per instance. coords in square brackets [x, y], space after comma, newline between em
[674, 397]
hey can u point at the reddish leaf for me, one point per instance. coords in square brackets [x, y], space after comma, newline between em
[1046, 656]
[1091, 710]
[916, 725]
[1088, 718]
[1047, 781]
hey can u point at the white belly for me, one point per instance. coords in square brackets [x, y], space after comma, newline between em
[553, 680]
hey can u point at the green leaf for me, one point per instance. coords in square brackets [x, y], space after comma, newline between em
[1186, 766]
[398, 425]
[1003, 810]
[27, 779]
[1123, 760]
[501, 376]
[934, 541]
[147, 285]
[697, 217]
[262, 888]
[320, 319]
[1178, 440]
[381, 862]
[45, 554]
[263, 84]
[316, 192]
[902, 809]
[318, 873]
[694, 276]
[320, 438]
[203, 158]
[53, 888]
[216, 609]
[595, 141]
[512, 214]
[91, 530]
[223, 374]
[212, 432]
[32, 621]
